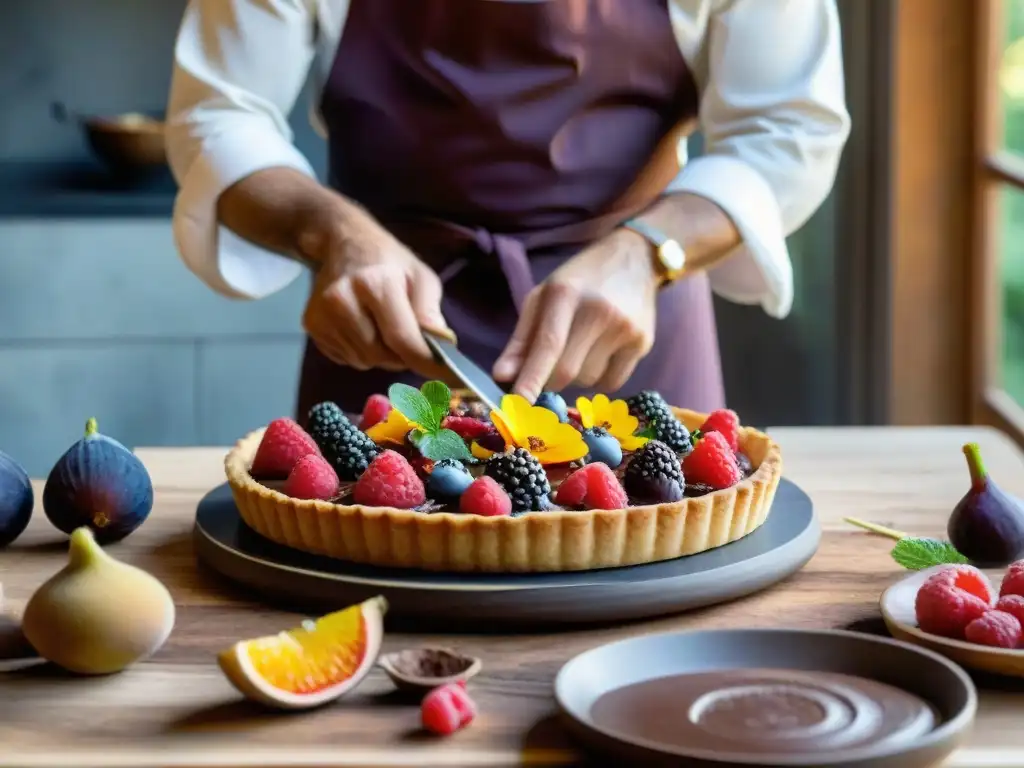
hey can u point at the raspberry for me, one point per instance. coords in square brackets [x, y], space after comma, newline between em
[712, 462]
[996, 628]
[604, 491]
[447, 709]
[574, 417]
[467, 428]
[485, 497]
[284, 443]
[375, 411]
[951, 599]
[594, 487]
[1013, 605]
[726, 423]
[1013, 581]
[389, 481]
[312, 478]
[572, 492]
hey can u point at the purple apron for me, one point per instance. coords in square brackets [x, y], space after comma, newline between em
[498, 138]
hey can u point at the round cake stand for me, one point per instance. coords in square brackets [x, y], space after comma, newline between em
[779, 548]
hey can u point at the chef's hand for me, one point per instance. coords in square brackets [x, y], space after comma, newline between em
[371, 298]
[589, 323]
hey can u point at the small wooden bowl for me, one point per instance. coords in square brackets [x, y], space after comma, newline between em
[128, 144]
[897, 606]
[420, 670]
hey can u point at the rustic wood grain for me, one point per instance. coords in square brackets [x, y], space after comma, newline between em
[177, 710]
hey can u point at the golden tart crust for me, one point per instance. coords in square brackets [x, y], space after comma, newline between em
[535, 542]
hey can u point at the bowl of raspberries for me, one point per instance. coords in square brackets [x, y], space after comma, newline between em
[958, 611]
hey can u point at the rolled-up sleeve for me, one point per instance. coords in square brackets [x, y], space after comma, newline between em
[774, 120]
[239, 66]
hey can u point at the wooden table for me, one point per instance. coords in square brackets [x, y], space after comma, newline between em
[177, 709]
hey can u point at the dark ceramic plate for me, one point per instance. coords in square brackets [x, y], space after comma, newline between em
[762, 697]
[780, 547]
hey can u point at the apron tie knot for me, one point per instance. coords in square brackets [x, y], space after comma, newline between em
[512, 259]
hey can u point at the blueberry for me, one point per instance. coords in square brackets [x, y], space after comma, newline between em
[555, 403]
[603, 447]
[448, 479]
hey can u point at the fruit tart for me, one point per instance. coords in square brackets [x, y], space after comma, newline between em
[431, 479]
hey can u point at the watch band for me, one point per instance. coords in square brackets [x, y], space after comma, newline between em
[669, 253]
[645, 230]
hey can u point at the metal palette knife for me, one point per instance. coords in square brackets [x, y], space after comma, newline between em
[465, 370]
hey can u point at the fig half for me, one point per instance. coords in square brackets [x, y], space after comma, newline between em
[16, 499]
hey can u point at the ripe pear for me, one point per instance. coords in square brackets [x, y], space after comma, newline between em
[987, 525]
[98, 615]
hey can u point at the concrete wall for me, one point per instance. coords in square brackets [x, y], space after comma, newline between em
[100, 318]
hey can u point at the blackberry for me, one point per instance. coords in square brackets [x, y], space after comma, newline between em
[648, 406]
[523, 479]
[653, 475]
[673, 433]
[349, 450]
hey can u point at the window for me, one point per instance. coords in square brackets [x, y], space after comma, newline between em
[998, 260]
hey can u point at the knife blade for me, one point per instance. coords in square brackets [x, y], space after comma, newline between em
[465, 370]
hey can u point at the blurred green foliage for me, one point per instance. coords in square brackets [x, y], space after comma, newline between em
[1011, 234]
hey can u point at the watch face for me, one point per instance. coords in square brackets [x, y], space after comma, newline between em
[672, 256]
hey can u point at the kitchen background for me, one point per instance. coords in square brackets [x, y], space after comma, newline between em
[98, 317]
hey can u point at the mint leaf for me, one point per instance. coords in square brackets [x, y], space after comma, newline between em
[443, 444]
[916, 554]
[440, 399]
[411, 403]
[415, 436]
[647, 432]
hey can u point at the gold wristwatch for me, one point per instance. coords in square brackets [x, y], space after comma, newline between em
[669, 256]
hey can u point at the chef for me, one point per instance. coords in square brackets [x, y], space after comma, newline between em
[513, 171]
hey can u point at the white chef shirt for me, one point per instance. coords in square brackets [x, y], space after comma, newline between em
[772, 113]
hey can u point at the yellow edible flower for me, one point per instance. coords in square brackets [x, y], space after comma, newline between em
[538, 430]
[393, 429]
[479, 452]
[612, 415]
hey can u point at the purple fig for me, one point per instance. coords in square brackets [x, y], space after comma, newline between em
[100, 484]
[16, 499]
[987, 525]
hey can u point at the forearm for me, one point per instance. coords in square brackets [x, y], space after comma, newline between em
[286, 212]
[700, 226]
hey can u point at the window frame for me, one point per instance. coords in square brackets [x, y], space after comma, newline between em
[995, 171]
